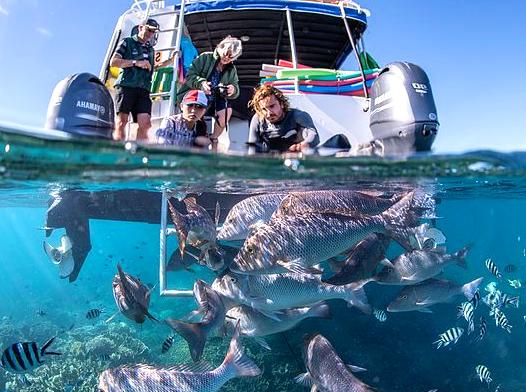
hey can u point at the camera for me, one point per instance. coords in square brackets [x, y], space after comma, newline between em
[220, 91]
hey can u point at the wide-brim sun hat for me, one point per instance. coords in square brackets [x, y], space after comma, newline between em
[232, 45]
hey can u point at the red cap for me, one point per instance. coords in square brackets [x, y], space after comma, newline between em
[195, 97]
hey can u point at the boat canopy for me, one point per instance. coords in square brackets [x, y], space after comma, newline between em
[320, 36]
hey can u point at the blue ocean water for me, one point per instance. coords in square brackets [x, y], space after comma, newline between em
[481, 200]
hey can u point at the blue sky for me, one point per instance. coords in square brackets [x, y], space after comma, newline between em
[473, 52]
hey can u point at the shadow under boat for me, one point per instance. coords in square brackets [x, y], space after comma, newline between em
[73, 210]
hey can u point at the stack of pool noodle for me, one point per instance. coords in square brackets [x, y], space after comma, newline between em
[316, 80]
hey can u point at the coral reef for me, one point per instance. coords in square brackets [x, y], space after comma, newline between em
[86, 352]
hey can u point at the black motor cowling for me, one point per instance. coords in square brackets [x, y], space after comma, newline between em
[403, 112]
[83, 106]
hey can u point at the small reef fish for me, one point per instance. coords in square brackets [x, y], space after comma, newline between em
[432, 291]
[515, 283]
[104, 357]
[380, 315]
[40, 312]
[61, 256]
[510, 268]
[483, 373]
[492, 268]
[493, 299]
[131, 296]
[482, 329]
[500, 319]
[297, 243]
[476, 299]
[167, 344]
[213, 310]
[452, 335]
[466, 310]
[25, 356]
[509, 302]
[418, 265]
[94, 313]
[491, 287]
[326, 371]
[247, 213]
[189, 378]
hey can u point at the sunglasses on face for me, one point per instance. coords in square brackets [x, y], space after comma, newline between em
[194, 105]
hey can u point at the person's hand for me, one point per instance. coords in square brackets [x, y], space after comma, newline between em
[230, 89]
[205, 86]
[299, 147]
[144, 64]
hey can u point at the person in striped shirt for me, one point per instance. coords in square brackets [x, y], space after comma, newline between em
[186, 129]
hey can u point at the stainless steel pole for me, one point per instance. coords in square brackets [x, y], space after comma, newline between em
[290, 28]
[349, 33]
[177, 57]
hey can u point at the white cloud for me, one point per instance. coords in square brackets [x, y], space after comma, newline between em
[3, 11]
[45, 32]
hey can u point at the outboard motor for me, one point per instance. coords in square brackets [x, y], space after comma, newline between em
[83, 106]
[403, 112]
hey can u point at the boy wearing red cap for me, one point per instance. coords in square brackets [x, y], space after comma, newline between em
[186, 129]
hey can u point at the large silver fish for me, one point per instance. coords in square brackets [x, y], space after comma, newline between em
[190, 378]
[335, 201]
[345, 201]
[362, 260]
[131, 296]
[296, 243]
[269, 293]
[326, 372]
[255, 324]
[432, 291]
[248, 212]
[197, 229]
[213, 310]
[61, 256]
[418, 265]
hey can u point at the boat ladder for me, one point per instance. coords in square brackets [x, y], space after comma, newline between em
[156, 8]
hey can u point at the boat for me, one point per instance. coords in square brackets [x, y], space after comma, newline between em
[299, 46]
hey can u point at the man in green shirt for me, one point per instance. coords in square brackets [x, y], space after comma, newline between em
[135, 57]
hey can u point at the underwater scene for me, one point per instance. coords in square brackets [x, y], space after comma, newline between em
[360, 275]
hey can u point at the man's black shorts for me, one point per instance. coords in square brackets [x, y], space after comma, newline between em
[133, 100]
[219, 103]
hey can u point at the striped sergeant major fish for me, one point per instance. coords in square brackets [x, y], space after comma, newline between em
[25, 356]
[94, 313]
[500, 319]
[167, 344]
[483, 373]
[476, 299]
[466, 310]
[380, 315]
[482, 329]
[452, 335]
[509, 301]
[492, 267]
